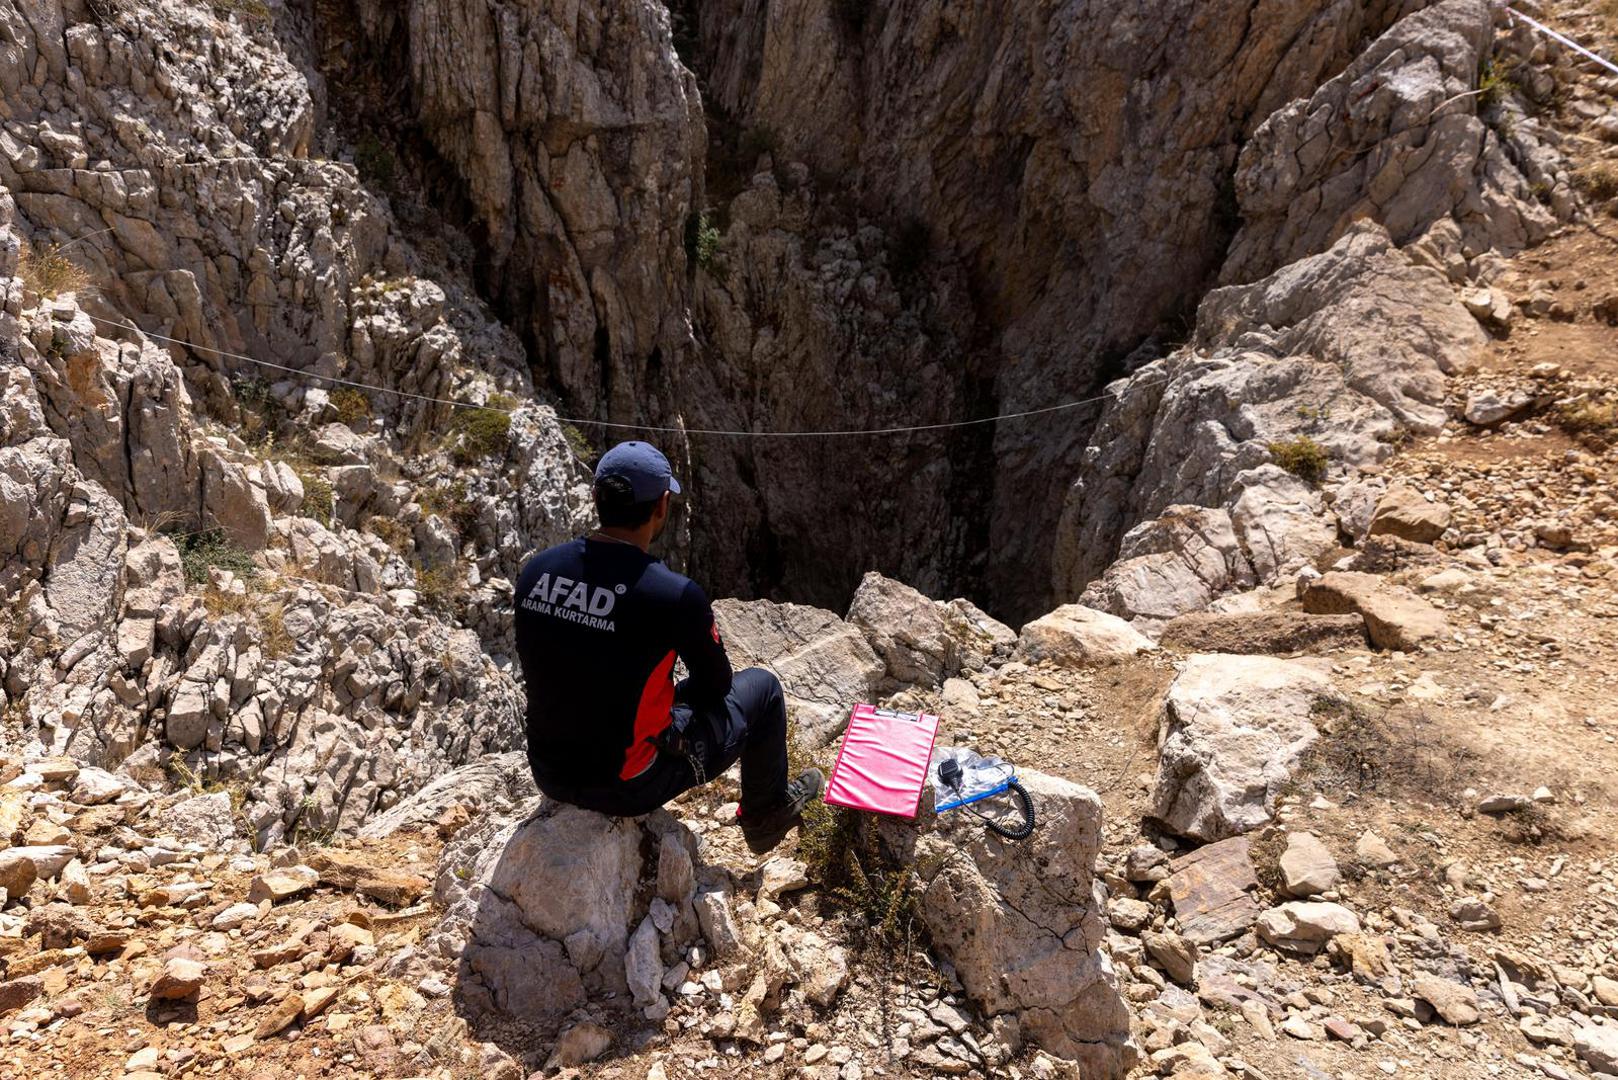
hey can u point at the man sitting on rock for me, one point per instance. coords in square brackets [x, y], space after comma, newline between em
[599, 624]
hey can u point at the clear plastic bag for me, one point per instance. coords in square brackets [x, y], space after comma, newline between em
[972, 778]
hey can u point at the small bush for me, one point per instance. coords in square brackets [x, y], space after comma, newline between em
[376, 164]
[1302, 457]
[477, 434]
[319, 500]
[1598, 181]
[203, 551]
[221, 602]
[707, 243]
[277, 642]
[1494, 83]
[452, 503]
[391, 531]
[437, 587]
[1592, 422]
[352, 406]
[578, 442]
[49, 272]
[255, 10]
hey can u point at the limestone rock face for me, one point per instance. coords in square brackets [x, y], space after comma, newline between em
[1175, 563]
[1375, 141]
[204, 819]
[1020, 926]
[211, 210]
[1344, 348]
[578, 139]
[916, 110]
[906, 629]
[1232, 730]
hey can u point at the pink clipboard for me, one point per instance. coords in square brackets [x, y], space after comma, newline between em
[882, 765]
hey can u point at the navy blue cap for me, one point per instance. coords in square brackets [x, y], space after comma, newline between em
[643, 465]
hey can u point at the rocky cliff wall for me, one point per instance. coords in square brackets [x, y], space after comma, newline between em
[885, 214]
[265, 574]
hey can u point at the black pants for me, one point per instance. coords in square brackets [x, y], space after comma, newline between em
[750, 725]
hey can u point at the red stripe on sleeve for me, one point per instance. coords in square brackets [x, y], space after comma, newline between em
[651, 717]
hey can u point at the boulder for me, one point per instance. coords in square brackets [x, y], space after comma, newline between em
[1303, 926]
[1490, 408]
[15, 993]
[282, 883]
[48, 859]
[17, 873]
[1017, 923]
[1281, 522]
[1404, 513]
[906, 629]
[1076, 636]
[824, 664]
[1263, 632]
[202, 819]
[181, 978]
[1395, 617]
[1231, 733]
[1307, 867]
[1454, 1003]
[1373, 851]
[1174, 953]
[1597, 1046]
[233, 502]
[92, 787]
[543, 910]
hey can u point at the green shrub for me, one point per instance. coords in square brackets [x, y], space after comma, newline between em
[578, 442]
[1302, 457]
[706, 244]
[452, 503]
[1493, 83]
[437, 587]
[203, 551]
[319, 500]
[477, 433]
[352, 405]
[392, 531]
[1592, 422]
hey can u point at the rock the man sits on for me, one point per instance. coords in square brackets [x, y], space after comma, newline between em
[599, 624]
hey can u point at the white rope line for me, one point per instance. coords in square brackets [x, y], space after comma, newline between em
[1565, 40]
[578, 421]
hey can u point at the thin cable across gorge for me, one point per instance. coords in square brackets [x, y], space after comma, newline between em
[579, 421]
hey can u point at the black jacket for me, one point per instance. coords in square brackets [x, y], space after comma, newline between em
[599, 625]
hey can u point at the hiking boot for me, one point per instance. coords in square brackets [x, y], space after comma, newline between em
[769, 828]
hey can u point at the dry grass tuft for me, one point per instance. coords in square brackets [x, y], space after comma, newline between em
[49, 272]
